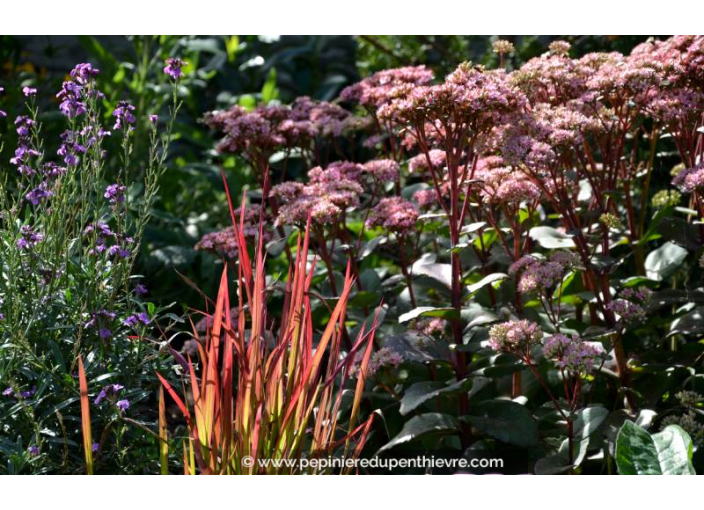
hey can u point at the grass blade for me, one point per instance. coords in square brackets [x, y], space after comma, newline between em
[85, 418]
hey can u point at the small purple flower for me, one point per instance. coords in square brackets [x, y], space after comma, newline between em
[110, 390]
[173, 68]
[39, 194]
[104, 333]
[101, 396]
[123, 405]
[70, 148]
[115, 193]
[134, 320]
[29, 238]
[84, 73]
[8, 392]
[28, 393]
[95, 447]
[33, 451]
[97, 317]
[153, 119]
[71, 96]
[2, 114]
[52, 170]
[140, 289]
[131, 321]
[123, 116]
[29, 91]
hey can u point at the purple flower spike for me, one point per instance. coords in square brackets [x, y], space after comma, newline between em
[173, 68]
[115, 193]
[124, 116]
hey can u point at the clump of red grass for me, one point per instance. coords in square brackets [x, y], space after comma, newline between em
[272, 393]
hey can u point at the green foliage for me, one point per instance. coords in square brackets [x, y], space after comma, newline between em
[666, 453]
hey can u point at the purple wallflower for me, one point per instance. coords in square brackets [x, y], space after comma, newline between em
[153, 119]
[71, 96]
[134, 320]
[33, 451]
[111, 390]
[28, 393]
[29, 91]
[131, 321]
[29, 238]
[115, 193]
[140, 289]
[70, 148]
[173, 68]
[123, 405]
[52, 170]
[100, 320]
[123, 116]
[84, 73]
[39, 194]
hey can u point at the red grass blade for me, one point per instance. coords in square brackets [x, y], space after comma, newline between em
[85, 418]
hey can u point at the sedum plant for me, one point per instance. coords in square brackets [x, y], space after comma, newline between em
[530, 286]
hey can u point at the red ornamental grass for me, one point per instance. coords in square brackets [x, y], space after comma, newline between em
[269, 392]
[85, 418]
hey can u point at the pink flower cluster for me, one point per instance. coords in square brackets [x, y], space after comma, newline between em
[268, 128]
[514, 336]
[503, 184]
[395, 214]
[542, 274]
[690, 179]
[431, 327]
[382, 170]
[419, 163]
[469, 95]
[330, 192]
[383, 358]
[382, 87]
[630, 306]
[573, 354]
[224, 242]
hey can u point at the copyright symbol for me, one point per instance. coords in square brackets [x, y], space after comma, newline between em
[247, 461]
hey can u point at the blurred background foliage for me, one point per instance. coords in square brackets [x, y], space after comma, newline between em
[222, 71]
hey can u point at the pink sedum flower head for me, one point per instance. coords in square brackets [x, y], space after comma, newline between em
[223, 243]
[631, 304]
[538, 275]
[690, 179]
[395, 214]
[573, 354]
[381, 87]
[419, 163]
[514, 336]
[382, 170]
